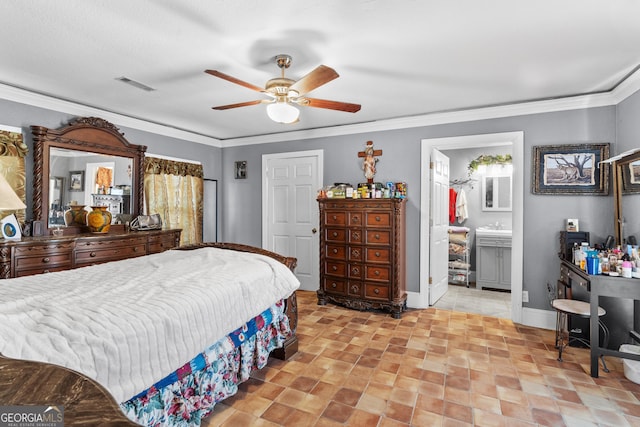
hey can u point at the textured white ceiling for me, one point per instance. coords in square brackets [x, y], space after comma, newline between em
[396, 58]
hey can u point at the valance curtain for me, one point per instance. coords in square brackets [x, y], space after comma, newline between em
[175, 190]
[13, 150]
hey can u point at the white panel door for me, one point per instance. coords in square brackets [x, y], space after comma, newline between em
[438, 227]
[291, 220]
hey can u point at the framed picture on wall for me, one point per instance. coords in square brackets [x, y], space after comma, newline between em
[76, 181]
[631, 177]
[572, 169]
[241, 169]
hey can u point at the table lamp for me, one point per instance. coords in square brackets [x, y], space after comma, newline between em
[9, 201]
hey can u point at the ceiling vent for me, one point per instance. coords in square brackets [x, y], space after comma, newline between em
[135, 84]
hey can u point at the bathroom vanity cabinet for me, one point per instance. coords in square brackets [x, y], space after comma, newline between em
[493, 260]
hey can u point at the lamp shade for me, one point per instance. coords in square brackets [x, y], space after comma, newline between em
[282, 112]
[9, 200]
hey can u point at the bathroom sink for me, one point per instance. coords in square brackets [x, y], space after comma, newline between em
[492, 230]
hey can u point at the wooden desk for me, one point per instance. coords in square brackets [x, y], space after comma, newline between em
[606, 286]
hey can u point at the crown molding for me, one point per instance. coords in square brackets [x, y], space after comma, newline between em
[24, 96]
[622, 91]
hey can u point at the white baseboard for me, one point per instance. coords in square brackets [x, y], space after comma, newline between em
[417, 300]
[545, 319]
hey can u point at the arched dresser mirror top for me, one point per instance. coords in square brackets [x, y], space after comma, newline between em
[82, 138]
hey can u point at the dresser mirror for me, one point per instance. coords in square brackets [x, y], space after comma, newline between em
[76, 164]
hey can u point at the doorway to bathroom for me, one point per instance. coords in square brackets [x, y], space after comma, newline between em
[474, 146]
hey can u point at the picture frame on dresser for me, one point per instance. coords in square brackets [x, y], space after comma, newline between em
[572, 169]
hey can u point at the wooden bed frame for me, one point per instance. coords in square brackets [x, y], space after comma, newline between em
[86, 402]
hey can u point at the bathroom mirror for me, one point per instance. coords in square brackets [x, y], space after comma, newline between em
[496, 193]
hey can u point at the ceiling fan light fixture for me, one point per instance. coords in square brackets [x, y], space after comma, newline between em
[282, 112]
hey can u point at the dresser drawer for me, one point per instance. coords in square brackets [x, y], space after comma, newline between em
[354, 288]
[89, 244]
[355, 253]
[22, 273]
[377, 272]
[336, 268]
[381, 255]
[381, 237]
[355, 236]
[335, 286]
[355, 219]
[378, 219]
[43, 261]
[335, 235]
[99, 255]
[161, 243]
[39, 259]
[335, 218]
[336, 252]
[500, 242]
[376, 291]
[356, 271]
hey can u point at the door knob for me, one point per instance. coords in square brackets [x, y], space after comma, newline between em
[314, 230]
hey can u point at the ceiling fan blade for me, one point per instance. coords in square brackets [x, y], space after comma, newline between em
[240, 104]
[316, 78]
[231, 79]
[330, 105]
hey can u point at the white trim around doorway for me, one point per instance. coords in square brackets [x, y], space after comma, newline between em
[516, 140]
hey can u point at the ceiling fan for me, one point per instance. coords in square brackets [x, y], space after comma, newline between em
[284, 92]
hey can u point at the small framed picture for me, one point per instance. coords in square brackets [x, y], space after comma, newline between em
[241, 169]
[76, 181]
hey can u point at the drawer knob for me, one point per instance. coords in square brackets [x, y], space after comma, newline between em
[378, 254]
[92, 254]
[335, 251]
[334, 268]
[45, 260]
[45, 271]
[335, 234]
[335, 217]
[377, 272]
[354, 289]
[333, 285]
[135, 249]
[378, 218]
[355, 270]
[376, 291]
[377, 236]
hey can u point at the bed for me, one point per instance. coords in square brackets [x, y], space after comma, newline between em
[167, 335]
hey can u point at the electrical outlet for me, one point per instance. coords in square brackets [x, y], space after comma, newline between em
[525, 296]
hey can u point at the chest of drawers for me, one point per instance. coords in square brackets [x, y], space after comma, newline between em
[362, 253]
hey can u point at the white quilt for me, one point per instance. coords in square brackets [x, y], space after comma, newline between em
[127, 324]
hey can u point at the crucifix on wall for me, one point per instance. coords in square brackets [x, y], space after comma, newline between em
[370, 160]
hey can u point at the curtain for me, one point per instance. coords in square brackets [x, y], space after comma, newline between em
[13, 150]
[175, 190]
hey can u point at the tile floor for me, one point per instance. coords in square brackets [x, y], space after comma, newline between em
[433, 367]
[472, 300]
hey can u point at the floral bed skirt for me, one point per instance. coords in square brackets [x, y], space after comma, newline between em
[187, 395]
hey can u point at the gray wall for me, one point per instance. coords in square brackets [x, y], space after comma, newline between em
[544, 215]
